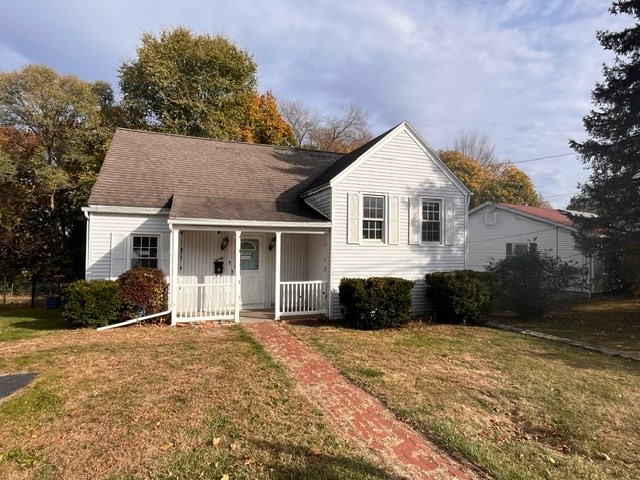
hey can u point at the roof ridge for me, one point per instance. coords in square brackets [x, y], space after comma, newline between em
[219, 140]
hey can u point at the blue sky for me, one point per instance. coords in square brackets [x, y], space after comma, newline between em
[520, 71]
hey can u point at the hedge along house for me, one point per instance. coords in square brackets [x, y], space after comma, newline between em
[246, 226]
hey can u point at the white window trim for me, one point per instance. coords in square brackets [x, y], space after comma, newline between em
[525, 243]
[441, 201]
[158, 256]
[385, 219]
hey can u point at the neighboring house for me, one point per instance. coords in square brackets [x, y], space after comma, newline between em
[499, 230]
[236, 225]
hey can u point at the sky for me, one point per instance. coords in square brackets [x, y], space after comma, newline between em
[519, 71]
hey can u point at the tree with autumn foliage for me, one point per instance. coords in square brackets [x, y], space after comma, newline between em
[52, 142]
[199, 85]
[264, 124]
[613, 152]
[491, 182]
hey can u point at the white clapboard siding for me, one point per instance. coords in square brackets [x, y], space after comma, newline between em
[491, 229]
[198, 251]
[489, 235]
[401, 169]
[107, 227]
[118, 255]
[321, 202]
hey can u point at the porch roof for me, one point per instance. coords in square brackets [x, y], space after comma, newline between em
[241, 209]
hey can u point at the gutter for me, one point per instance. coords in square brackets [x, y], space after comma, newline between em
[134, 320]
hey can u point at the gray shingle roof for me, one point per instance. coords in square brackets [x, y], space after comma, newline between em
[205, 178]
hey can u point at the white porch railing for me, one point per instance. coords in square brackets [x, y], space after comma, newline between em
[301, 298]
[198, 301]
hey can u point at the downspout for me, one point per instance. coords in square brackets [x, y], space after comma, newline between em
[133, 320]
[87, 249]
[466, 239]
[557, 242]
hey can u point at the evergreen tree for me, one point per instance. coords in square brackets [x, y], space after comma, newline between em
[613, 152]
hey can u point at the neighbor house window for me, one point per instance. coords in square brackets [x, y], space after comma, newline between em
[145, 251]
[520, 248]
[372, 217]
[431, 220]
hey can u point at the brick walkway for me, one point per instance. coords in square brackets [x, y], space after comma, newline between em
[355, 412]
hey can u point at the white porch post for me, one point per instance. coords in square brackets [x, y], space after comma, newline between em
[327, 267]
[277, 279]
[236, 314]
[173, 281]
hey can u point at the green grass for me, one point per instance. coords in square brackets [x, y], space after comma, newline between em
[27, 323]
[163, 403]
[520, 408]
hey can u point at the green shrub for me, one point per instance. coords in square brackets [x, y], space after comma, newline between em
[92, 303]
[533, 281]
[463, 296]
[143, 291]
[375, 302]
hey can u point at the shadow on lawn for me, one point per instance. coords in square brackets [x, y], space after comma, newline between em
[319, 465]
[38, 319]
[579, 358]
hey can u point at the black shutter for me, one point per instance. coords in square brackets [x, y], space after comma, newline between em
[509, 250]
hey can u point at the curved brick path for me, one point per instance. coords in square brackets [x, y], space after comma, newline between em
[358, 414]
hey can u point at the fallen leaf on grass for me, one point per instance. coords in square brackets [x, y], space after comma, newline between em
[224, 477]
[165, 447]
[215, 441]
[314, 451]
[233, 447]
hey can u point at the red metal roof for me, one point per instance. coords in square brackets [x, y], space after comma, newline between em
[548, 214]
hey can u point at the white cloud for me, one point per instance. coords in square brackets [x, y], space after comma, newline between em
[519, 70]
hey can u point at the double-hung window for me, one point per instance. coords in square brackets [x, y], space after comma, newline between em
[144, 251]
[521, 248]
[431, 220]
[373, 217]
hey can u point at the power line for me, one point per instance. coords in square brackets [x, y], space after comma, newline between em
[559, 195]
[540, 158]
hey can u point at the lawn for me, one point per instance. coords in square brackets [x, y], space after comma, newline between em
[21, 324]
[609, 321]
[161, 403]
[520, 408]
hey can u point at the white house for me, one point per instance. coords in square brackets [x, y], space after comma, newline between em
[245, 226]
[498, 230]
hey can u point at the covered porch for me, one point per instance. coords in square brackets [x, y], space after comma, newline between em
[217, 270]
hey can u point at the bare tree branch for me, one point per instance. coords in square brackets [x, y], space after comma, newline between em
[475, 145]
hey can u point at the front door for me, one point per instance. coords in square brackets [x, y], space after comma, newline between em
[252, 291]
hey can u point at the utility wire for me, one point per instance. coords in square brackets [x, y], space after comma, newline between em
[538, 158]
